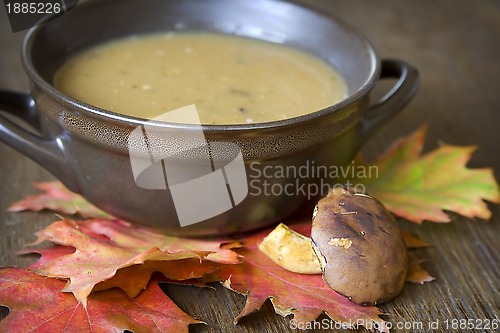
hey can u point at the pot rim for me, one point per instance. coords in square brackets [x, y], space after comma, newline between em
[132, 121]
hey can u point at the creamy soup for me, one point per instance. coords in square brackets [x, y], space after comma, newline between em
[231, 80]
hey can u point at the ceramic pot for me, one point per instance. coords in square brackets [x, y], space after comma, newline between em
[88, 149]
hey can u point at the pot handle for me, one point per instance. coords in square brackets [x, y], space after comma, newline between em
[394, 101]
[48, 152]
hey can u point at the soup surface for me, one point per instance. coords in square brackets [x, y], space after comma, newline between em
[231, 80]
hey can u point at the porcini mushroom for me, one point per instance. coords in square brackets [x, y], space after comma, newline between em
[357, 243]
[360, 247]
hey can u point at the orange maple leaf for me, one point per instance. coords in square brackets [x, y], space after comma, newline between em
[102, 247]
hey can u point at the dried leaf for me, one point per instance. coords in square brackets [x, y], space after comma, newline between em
[413, 242]
[304, 296]
[37, 305]
[416, 274]
[105, 246]
[419, 188]
[59, 199]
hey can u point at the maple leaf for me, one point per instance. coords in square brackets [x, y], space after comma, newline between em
[304, 296]
[104, 246]
[59, 199]
[36, 304]
[132, 279]
[419, 188]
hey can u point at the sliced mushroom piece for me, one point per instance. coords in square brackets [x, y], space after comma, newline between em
[290, 250]
[360, 246]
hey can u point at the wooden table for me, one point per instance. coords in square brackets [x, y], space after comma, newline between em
[456, 46]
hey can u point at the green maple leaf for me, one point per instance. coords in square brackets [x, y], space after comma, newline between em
[421, 187]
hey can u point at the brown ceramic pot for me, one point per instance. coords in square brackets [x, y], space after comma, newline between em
[87, 147]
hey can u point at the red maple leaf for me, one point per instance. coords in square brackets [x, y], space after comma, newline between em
[37, 304]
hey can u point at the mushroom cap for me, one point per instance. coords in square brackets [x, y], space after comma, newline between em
[360, 246]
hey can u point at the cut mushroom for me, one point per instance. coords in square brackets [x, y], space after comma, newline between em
[290, 250]
[361, 249]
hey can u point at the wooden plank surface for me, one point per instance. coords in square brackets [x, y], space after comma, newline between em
[456, 47]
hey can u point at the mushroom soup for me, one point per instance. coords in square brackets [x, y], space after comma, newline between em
[231, 80]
